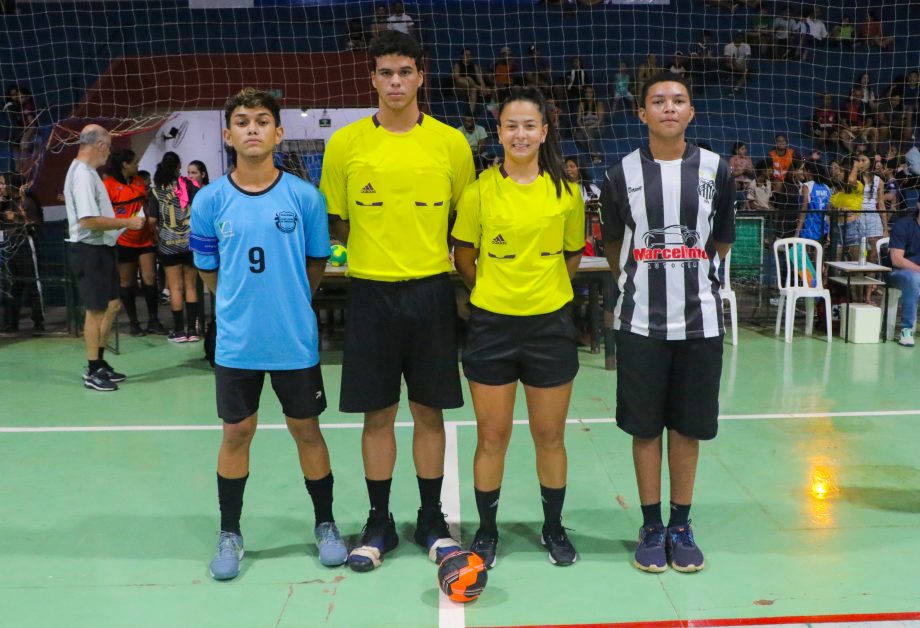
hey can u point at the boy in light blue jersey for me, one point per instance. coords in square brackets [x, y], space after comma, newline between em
[816, 197]
[260, 240]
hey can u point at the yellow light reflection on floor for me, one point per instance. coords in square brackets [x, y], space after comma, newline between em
[823, 486]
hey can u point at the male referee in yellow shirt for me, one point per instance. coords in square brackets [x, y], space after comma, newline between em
[390, 181]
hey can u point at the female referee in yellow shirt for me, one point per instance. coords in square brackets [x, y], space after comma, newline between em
[518, 238]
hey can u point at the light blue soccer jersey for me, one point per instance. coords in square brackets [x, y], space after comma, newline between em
[259, 244]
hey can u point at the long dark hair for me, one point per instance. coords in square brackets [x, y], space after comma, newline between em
[550, 155]
[117, 161]
[203, 169]
[167, 170]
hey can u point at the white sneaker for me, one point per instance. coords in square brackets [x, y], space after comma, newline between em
[907, 338]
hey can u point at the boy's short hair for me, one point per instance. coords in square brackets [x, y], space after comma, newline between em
[664, 77]
[252, 98]
[394, 43]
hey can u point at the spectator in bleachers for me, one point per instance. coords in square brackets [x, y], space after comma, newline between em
[647, 70]
[847, 198]
[379, 24]
[506, 73]
[869, 97]
[904, 248]
[761, 33]
[787, 202]
[21, 215]
[870, 30]
[760, 192]
[621, 84]
[912, 157]
[467, 78]
[28, 135]
[355, 37]
[704, 64]
[589, 121]
[198, 172]
[476, 137]
[538, 73]
[844, 34]
[816, 198]
[895, 202]
[911, 92]
[136, 249]
[399, 20]
[576, 78]
[590, 193]
[856, 121]
[825, 123]
[736, 56]
[894, 121]
[872, 221]
[554, 115]
[781, 158]
[741, 165]
[814, 30]
[786, 30]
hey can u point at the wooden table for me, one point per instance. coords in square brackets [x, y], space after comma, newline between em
[856, 274]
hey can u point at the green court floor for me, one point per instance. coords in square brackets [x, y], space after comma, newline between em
[807, 504]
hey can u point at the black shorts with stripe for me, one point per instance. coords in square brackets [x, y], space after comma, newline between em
[300, 392]
[668, 384]
[400, 329]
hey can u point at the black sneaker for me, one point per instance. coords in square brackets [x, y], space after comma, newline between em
[432, 533]
[377, 538]
[560, 548]
[177, 336]
[98, 380]
[191, 335]
[484, 545]
[135, 329]
[112, 374]
[156, 327]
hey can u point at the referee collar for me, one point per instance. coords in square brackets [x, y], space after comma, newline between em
[504, 173]
[689, 149]
[421, 116]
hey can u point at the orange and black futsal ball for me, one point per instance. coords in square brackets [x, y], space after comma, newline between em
[462, 576]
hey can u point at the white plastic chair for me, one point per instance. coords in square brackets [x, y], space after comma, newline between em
[894, 295]
[790, 251]
[728, 294]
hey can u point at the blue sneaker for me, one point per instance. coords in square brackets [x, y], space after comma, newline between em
[683, 552]
[332, 551]
[432, 533]
[378, 537]
[650, 555]
[226, 563]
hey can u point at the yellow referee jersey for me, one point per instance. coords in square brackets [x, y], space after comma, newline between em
[849, 201]
[522, 233]
[396, 190]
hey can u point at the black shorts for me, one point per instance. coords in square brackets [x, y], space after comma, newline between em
[175, 259]
[540, 350]
[130, 254]
[95, 271]
[671, 384]
[396, 329]
[300, 392]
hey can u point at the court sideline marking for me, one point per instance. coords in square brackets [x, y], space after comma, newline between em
[447, 424]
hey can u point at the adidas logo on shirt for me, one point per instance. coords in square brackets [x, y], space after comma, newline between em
[368, 189]
[499, 240]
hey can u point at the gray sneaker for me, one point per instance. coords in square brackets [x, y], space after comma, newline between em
[332, 550]
[906, 339]
[98, 380]
[226, 563]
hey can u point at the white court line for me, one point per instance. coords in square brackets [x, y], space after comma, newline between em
[455, 424]
[451, 614]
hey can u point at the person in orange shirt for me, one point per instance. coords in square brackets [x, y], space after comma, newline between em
[128, 193]
[780, 160]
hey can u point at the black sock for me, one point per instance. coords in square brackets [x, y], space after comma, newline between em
[127, 299]
[429, 490]
[487, 505]
[321, 493]
[680, 515]
[178, 320]
[95, 364]
[379, 493]
[651, 514]
[230, 497]
[152, 297]
[101, 353]
[191, 315]
[553, 499]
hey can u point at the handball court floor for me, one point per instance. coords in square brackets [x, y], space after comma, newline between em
[807, 504]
